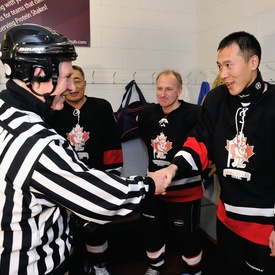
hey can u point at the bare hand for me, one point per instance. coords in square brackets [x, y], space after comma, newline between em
[272, 243]
[163, 178]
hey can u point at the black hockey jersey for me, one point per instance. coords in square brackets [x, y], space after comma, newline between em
[93, 133]
[237, 134]
[164, 136]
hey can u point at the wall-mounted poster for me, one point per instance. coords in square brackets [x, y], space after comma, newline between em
[69, 17]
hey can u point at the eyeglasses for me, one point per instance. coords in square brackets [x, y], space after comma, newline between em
[77, 81]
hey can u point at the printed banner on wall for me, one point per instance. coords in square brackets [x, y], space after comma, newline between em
[69, 17]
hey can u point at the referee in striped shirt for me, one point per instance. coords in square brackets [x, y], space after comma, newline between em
[42, 180]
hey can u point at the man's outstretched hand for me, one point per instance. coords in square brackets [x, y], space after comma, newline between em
[163, 178]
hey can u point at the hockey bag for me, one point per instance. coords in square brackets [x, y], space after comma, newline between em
[127, 113]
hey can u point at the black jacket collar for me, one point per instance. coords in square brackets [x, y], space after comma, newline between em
[252, 91]
[18, 97]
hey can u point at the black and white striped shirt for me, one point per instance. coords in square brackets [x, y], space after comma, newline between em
[41, 181]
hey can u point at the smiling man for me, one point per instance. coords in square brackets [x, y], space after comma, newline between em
[89, 124]
[42, 179]
[164, 127]
[236, 132]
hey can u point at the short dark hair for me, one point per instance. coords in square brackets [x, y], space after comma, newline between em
[78, 68]
[247, 43]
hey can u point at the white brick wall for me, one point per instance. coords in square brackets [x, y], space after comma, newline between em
[139, 38]
[216, 19]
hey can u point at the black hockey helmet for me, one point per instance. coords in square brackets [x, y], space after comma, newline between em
[27, 46]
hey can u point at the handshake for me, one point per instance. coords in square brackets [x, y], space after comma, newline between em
[163, 178]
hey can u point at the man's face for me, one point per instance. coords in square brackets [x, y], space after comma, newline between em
[167, 91]
[65, 84]
[236, 73]
[80, 86]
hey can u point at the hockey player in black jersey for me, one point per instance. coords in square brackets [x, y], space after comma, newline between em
[236, 132]
[164, 128]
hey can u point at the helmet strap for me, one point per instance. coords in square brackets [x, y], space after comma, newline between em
[48, 98]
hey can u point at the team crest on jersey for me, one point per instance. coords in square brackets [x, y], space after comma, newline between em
[78, 137]
[161, 146]
[239, 151]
